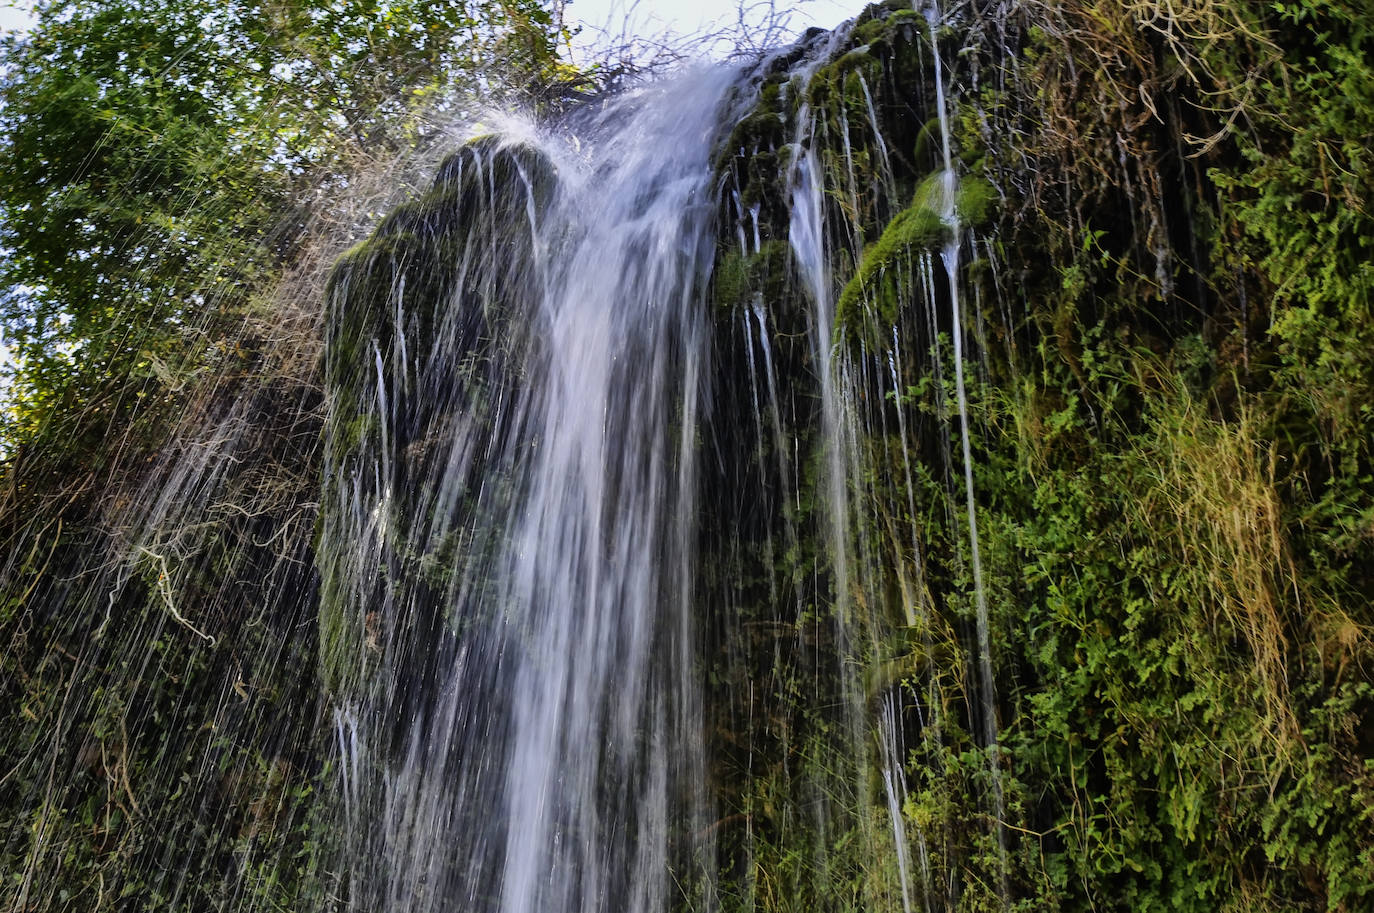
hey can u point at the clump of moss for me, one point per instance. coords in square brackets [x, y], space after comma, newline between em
[975, 201]
[914, 229]
[739, 278]
[903, 22]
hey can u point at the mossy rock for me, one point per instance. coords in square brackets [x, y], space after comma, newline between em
[763, 124]
[904, 22]
[919, 227]
[868, 298]
[482, 193]
[839, 86]
[739, 278]
[494, 163]
[425, 303]
[975, 201]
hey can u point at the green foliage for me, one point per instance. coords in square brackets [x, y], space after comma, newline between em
[154, 152]
[1178, 504]
[1299, 210]
[1171, 434]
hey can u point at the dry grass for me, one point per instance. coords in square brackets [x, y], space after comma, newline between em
[1214, 500]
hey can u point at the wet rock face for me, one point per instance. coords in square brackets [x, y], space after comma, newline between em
[419, 359]
[842, 136]
[427, 253]
[425, 346]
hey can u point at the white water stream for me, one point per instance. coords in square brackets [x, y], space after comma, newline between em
[551, 738]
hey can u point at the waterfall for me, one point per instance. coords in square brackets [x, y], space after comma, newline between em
[520, 724]
[950, 257]
[601, 619]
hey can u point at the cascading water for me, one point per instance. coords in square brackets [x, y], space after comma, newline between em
[547, 756]
[514, 616]
[520, 362]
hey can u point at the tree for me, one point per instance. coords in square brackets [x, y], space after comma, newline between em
[151, 154]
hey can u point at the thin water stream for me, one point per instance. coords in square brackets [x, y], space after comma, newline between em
[950, 256]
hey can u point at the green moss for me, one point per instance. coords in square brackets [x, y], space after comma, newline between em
[914, 229]
[883, 28]
[770, 94]
[975, 201]
[926, 150]
[731, 279]
[835, 87]
[932, 192]
[857, 59]
[738, 279]
[869, 303]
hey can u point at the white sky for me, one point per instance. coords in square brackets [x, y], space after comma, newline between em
[14, 14]
[648, 18]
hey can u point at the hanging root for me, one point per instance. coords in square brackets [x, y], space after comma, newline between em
[164, 587]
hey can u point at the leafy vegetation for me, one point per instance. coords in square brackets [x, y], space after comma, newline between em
[1175, 470]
